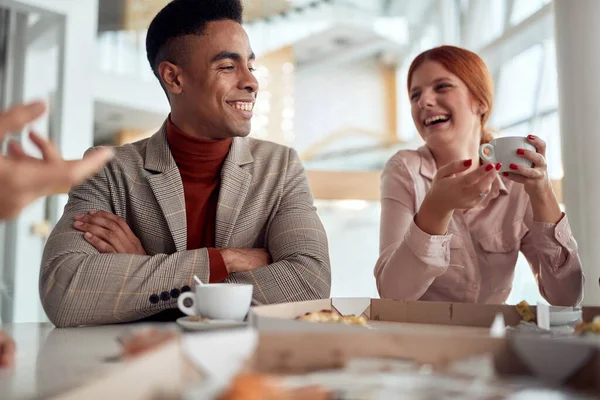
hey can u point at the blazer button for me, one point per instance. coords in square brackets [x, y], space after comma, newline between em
[175, 293]
[185, 288]
[154, 299]
[164, 296]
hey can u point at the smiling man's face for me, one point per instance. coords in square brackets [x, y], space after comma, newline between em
[216, 81]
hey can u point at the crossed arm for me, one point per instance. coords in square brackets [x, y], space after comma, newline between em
[82, 285]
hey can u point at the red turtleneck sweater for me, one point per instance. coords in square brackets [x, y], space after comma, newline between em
[199, 162]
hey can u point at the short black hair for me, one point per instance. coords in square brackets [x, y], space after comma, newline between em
[184, 17]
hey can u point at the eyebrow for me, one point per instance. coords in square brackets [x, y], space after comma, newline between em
[224, 55]
[438, 80]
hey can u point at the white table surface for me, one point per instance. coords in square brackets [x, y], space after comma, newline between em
[50, 361]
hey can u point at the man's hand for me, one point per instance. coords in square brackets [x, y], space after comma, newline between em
[24, 178]
[108, 233]
[7, 351]
[242, 260]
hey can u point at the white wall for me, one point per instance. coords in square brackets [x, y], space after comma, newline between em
[129, 92]
[352, 228]
[338, 97]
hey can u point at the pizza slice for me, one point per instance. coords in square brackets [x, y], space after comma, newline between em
[327, 316]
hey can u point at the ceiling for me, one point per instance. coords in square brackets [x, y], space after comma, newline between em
[260, 9]
[325, 44]
[137, 14]
[111, 15]
[340, 42]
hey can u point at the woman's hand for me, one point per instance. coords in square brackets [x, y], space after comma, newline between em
[536, 182]
[452, 190]
[534, 179]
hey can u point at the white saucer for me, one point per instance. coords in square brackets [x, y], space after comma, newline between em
[188, 324]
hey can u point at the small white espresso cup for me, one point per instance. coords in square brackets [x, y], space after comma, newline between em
[226, 301]
[504, 150]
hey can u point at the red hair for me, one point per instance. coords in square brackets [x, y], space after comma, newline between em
[470, 69]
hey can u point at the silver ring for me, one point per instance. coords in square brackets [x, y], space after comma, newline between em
[482, 195]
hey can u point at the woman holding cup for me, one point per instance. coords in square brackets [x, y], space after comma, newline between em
[452, 226]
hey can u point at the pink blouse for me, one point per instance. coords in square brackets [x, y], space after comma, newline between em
[475, 261]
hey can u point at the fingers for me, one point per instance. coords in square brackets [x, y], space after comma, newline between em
[100, 245]
[47, 148]
[7, 351]
[111, 229]
[48, 179]
[453, 168]
[113, 222]
[484, 184]
[15, 151]
[17, 117]
[531, 173]
[475, 176]
[539, 144]
[80, 170]
[536, 158]
[101, 228]
[514, 178]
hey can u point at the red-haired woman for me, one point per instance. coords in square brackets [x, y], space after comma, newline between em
[451, 227]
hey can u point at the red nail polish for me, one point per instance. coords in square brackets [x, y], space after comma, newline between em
[505, 173]
[489, 167]
[468, 163]
[530, 137]
[520, 152]
[513, 166]
[498, 166]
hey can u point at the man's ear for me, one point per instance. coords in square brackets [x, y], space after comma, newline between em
[171, 77]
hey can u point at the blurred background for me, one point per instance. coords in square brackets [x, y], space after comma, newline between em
[333, 85]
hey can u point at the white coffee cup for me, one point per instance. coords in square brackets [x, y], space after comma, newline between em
[228, 301]
[504, 150]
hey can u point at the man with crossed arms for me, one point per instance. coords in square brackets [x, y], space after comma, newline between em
[197, 198]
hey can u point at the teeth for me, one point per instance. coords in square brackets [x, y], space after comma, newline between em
[431, 120]
[243, 105]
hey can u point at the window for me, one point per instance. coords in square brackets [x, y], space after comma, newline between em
[548, 98]
[492, 24]
[523, 9]
[524, 285]
[517, 130]
[357, 222]
[517, 87]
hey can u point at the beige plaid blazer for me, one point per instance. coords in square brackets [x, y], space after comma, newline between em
[264, 202]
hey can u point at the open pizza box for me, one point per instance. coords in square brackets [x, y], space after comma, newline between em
[399, 316]
[558, 363]
[434, 334]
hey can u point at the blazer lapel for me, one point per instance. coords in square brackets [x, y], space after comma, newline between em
[167, 186]
[235, 181]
